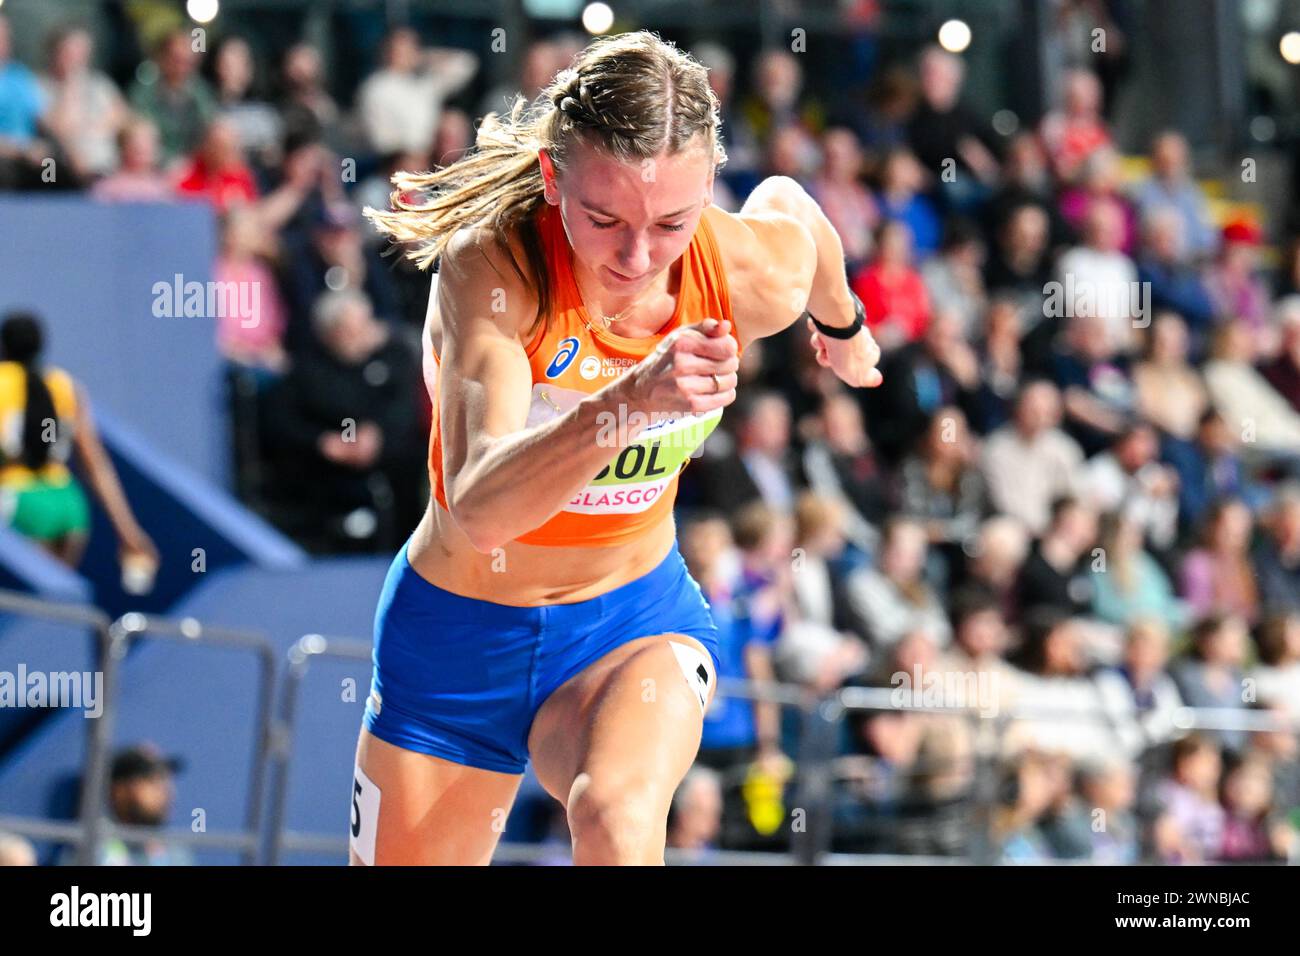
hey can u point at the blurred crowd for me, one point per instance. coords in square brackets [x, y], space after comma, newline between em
[1077, 491]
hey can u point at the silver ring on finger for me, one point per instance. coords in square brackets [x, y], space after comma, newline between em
[717, 385]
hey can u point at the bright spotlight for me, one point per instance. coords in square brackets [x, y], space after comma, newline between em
[1290, 47]
[201, 11]
[954, 36]
[597, 17]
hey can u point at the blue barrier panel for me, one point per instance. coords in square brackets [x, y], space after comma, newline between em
[90, 271]
[197, 527]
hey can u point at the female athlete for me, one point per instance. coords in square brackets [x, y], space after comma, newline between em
[582, 340]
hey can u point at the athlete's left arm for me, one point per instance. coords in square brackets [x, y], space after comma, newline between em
[783, 257]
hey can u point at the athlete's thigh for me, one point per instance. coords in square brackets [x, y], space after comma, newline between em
[426, 810]
[632, 716]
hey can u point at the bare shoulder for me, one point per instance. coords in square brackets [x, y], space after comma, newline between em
[477, 279]
[770, 258]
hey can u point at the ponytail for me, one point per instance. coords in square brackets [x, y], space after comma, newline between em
[633, 96]
[21, 341]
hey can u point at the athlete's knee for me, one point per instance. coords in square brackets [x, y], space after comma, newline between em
[615, 821]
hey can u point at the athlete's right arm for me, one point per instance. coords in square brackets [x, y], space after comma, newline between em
[503, 479]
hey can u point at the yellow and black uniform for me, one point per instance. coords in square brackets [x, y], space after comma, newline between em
[39, 497]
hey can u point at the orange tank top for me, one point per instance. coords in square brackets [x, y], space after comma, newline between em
[571, 357]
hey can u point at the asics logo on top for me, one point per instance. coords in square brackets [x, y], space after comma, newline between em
[563, 358]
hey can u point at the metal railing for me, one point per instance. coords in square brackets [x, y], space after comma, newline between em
[113, 643]
[266, 837]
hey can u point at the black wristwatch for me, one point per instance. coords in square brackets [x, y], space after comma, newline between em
[848, 331]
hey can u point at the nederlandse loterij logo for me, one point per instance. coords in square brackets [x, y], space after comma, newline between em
[102, 909]
[563, 358]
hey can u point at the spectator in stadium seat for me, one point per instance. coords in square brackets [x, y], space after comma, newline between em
[1216, 470]
[324, 248]
[1139, 685]
[1002, 365]
[695, 816]
[1098, 278]
[1025, 788]
[994, 564]
[954, 280]
[23, 105]
[841, 466]
[1189, 825]
[1055, 574]
[979, 645]
[1239, 294]
[848, 204]
[760, 466]
[1253, 830]
[940, 369]
[304, 103]
[258, 123]
[813, 650]
[1128, 583]
[1096, 384]
[1076, 130]
[141, 793]
[736, 729]
[1169, 391]
[86, 111]
[1277, 555]
[940, 486]
[943, 131]
[399, 104]
[1283, 371]
[1026, 181]
[1277, 675]
[1128, 477]
[921, 765]
[44, 418]
[902, 197]
[777, 100]
[1210, 674]
[1059, 705]
[254, 341]
[893, 598]
[538, 64]
[881, 123]
[1251, 406]
[218, 171]
[1030, 463]
[138, 178]
[1176, 286]
[1280, 746]
[1100, 181]
[345, 415]
[1217, 576]
[1108, 786]
[173, 95]
[1172, 187]
[1019, 266]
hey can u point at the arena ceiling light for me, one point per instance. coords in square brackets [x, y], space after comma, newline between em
[202, 11]
[1290, 47]
[597, 17]
[954, 36]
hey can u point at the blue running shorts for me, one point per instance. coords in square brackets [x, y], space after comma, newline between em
[462, 679]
